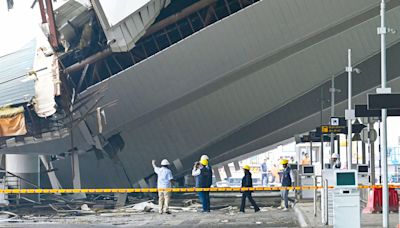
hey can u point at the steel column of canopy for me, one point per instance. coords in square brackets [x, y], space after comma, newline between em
[349, 70]
[382, 30]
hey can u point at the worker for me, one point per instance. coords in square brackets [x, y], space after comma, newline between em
[264, 173]
[205, 157]
[335, 161]
[247, 182]
[306, 160]
[204, 175]
[287, 180]
[164, 181]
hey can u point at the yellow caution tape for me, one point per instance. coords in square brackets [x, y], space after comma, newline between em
[181, 190]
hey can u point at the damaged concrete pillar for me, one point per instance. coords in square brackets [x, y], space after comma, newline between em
[25, 166]
[227, 171]
[217, 174]
[237, 166]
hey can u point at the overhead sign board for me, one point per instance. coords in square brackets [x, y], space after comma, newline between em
[338, 121]
[363, 111]
[383, 101]
[325, 129]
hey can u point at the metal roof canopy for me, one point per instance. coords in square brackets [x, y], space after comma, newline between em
[13, 68]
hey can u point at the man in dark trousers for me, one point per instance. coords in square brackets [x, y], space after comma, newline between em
[247, 182]
[287, 181]
[204, 175]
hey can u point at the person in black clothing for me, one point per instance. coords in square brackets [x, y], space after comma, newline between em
[204, 175]
[247, 182]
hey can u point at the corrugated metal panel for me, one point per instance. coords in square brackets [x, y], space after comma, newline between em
[127, 21]
[13, 88]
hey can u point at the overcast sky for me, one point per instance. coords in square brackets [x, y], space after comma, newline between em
[18, 26]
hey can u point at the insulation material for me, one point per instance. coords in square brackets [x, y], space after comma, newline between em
[46, 78]
[12, 122]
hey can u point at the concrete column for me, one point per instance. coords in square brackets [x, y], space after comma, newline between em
[237, 166]
[217, 174]
[55, 184]
[227, 170]
[26, 167]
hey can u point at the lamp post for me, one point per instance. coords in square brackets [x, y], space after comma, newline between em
[349, 112]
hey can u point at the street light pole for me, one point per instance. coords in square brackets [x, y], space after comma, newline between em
[349, 115]
[385, 190]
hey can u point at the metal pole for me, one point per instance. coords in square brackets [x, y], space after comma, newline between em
[326, 208]
[349, 126]
[311, 150]
[385, 190]
[332, 115]
[372, 154]
[315, 196]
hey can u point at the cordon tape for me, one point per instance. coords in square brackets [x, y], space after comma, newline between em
[182, 190]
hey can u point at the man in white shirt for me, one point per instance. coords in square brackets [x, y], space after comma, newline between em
[164, 181]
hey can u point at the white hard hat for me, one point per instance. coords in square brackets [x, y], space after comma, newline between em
[335, 155]
[164, 162]
[204, 157]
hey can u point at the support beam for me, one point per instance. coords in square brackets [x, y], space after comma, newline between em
[237, 166]
[217, 174]
[227, 171]
[52, 24]
[178, 16]
[55, 184]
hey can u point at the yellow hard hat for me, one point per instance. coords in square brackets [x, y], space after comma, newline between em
[284, 161]
[247, 167]
[204, 162]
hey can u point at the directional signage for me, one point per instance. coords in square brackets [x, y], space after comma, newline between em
[383, 101]
[325, 129]
[313, 138]
[363, 111]
[338, 121]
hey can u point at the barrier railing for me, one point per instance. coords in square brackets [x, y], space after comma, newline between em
[146, 190]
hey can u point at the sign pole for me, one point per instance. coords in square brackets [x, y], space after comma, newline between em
[385, 191]
[349, 70]
[332, 115]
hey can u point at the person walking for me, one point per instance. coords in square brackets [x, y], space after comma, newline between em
[164, 181]
[247, 182]
[287, 180]
[204, 176]
[264, 173]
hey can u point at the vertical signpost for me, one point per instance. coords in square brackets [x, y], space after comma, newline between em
[385, 191]
[349, 113]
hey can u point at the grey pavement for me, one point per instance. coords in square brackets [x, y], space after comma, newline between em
[268, 217]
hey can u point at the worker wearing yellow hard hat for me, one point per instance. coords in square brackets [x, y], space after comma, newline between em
[203, 175]
[287, 180]
[247, 182]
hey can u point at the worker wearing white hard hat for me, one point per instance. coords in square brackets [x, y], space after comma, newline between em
[335, 161]
[164, 181]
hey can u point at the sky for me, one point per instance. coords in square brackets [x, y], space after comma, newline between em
[18, 26]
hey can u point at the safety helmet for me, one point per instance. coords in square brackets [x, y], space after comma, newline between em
[204, 157]
[284, 161]
[204, 162]
[335, 155]
[164, 162]
[247, 167]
